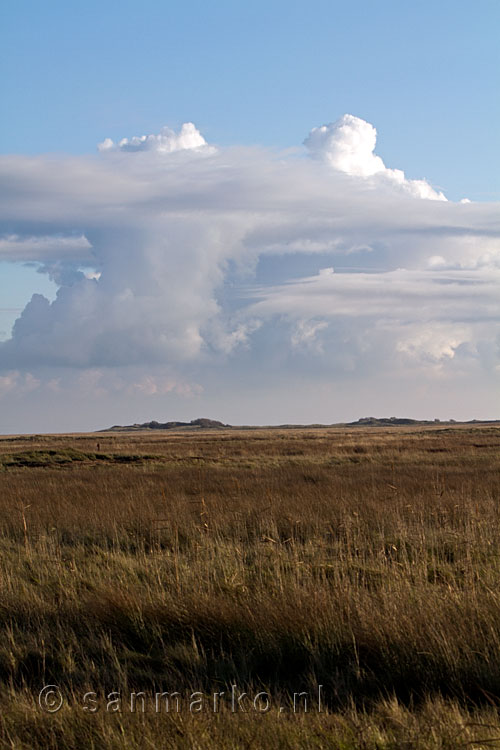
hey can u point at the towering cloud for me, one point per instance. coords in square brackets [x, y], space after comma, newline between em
[175, 259]
[349, 146]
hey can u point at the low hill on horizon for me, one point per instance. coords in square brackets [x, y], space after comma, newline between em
[200, 423]
[203, 423]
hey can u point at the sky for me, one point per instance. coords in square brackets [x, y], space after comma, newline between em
[260, 213]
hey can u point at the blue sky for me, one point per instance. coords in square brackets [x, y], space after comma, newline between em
[255, 79]
[426, 74]
[18, 283]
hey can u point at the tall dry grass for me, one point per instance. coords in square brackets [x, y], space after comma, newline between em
[366, 561]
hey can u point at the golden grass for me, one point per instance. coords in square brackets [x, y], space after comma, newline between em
[366, 561]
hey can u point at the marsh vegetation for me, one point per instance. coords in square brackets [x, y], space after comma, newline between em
[366, 561]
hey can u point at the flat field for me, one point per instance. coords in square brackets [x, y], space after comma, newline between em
[359, 568]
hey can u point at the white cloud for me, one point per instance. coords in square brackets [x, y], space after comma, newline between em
[436, 342]
[167, 141]
[348, 145]
[154, 253]
[377, 320]
[400, 294]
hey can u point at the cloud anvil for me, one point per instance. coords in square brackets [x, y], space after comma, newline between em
[177, 257]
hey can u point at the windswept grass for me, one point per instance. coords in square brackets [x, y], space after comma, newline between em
[367, 562]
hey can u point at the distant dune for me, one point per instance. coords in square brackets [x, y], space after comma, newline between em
[200, 423]
[207, 424]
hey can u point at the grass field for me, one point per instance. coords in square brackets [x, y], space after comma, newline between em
[364, 561]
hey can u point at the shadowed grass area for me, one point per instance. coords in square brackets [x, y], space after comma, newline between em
[273, 561]
[68, 456]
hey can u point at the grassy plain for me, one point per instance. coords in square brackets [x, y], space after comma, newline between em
[363, 560]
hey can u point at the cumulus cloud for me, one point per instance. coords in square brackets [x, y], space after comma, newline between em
[422, 316]
[165, 142]
[436, 342]
[180, 260]
[348, 145]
